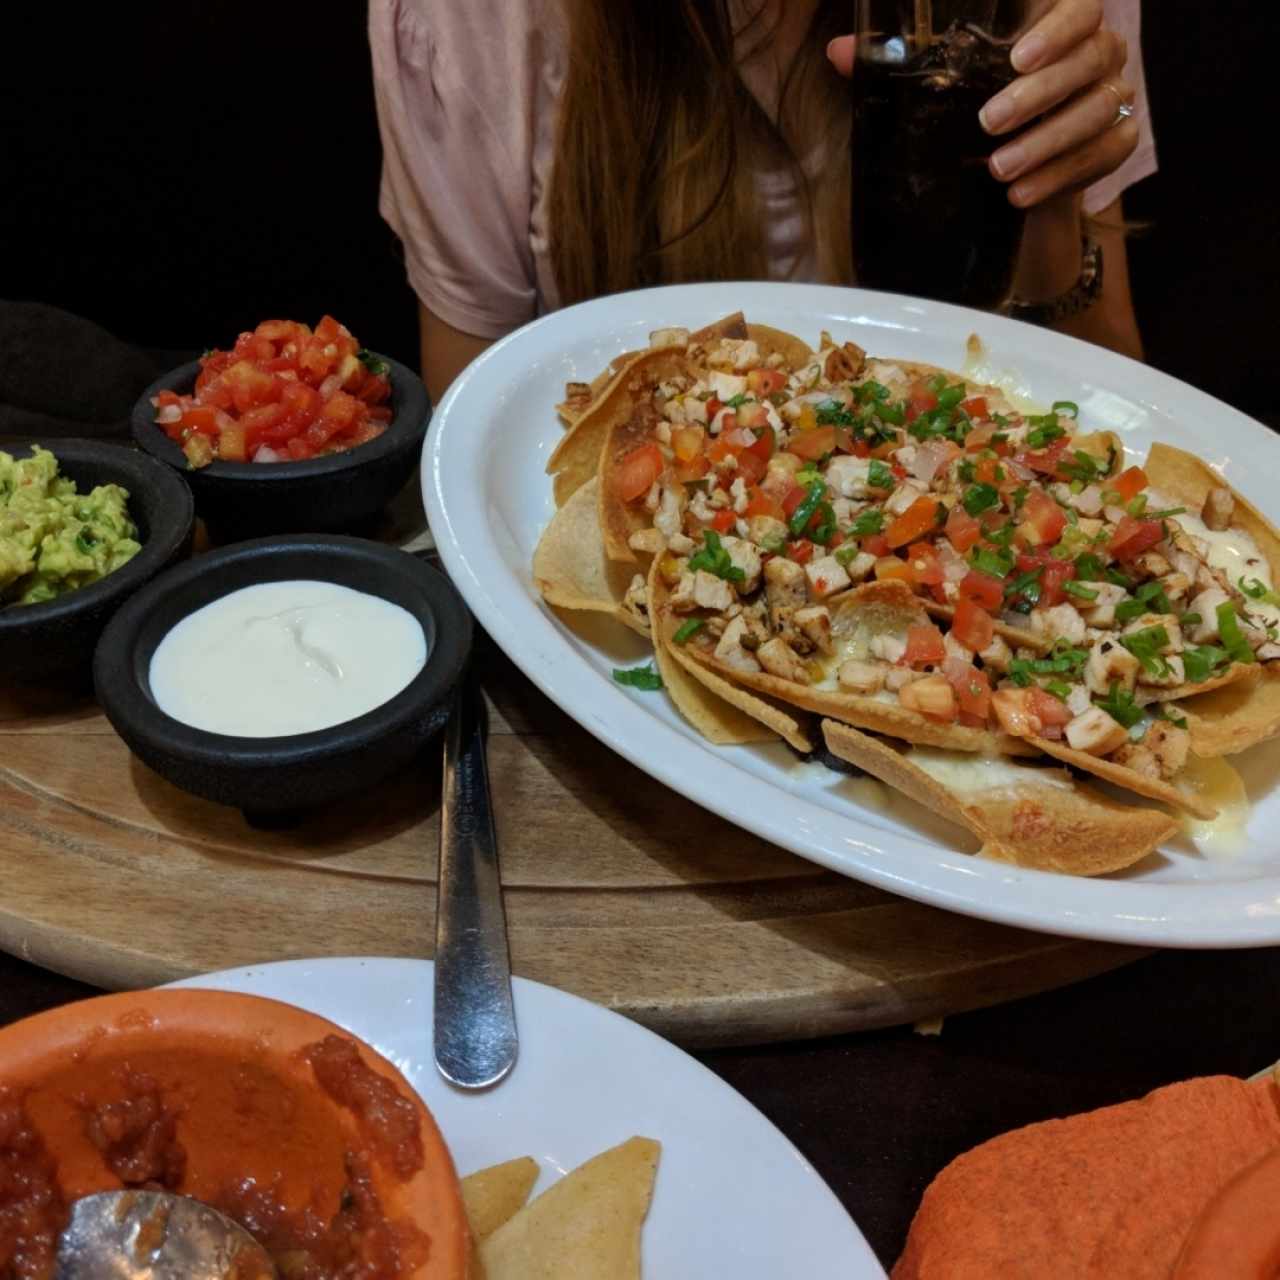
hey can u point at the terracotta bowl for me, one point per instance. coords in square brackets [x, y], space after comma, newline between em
[225, 1097]
[1238, 1233]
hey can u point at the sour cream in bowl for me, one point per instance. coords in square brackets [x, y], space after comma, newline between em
[284, 673]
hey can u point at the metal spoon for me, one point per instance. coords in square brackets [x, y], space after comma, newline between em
[152, 1235]
[475, 1022]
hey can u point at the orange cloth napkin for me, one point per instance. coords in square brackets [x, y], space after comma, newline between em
[1111, 1193]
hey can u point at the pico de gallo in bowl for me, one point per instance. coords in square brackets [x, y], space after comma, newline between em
[340, 427]
[284, 393]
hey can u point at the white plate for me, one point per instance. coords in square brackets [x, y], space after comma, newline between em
[488, 499]
[733, 1196]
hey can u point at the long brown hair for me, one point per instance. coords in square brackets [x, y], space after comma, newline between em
[653, 179]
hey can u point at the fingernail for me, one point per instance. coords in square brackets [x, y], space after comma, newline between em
[996, 114]
[1020, 196]
[1008, 160]
[831, 47]
[1028, 52]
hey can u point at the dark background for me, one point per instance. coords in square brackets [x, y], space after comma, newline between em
[178, 171]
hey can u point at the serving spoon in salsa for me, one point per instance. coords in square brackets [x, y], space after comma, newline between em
[154, 1235]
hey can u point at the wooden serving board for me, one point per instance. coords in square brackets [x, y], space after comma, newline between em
[617, 889]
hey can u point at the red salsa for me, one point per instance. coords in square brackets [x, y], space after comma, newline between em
[283, 393]
[32, 1210]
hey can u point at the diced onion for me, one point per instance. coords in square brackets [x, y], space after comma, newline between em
[170, 413]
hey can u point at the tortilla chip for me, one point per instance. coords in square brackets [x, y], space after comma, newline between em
[1029, 824]
[1016, 636]
[1130, 779]
[584, 1227]
[491, 1196]
[570, 568]
[731, 326]
[577, 457]
[1111, 1193]
[1231, 720]
[721, 712]
[795, 351]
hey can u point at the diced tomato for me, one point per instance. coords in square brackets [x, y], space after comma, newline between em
[250, 386]
[753, 416]
[973, 688]
[962, 529]
[976, 408]
[982, 589]
[894, 569]
[1128, 484]
[920, 401]
[723, 520]
[720, 449]
[801, 550]
[201, 418]
[1046, 460]
[298, 449]
[256, 421]
[875, 544]
[766, 382]
[1052, 578]
[762, 504]
[926, 568]
[989, 471]
[688, 472]
[794, 497]
[687, 443]
[973, 626]
[766, 442]
[635, 472]
[751, 467]
[919, 518]
[1042, 520]
[1133, 537]
[1050, 711]
[812, 445]
[924, 645]
[713, 407]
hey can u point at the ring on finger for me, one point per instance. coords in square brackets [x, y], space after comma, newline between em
[1125, 110]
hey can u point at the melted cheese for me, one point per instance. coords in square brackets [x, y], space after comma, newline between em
[978, 368]
[1218, 783]
[966, 774]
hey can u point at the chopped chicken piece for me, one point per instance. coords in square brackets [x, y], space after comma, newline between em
[648, 541]
[681, 598]
[745, 556]
[766, 531]
[955, 649]
[1102, 611]
[814, 622]
[784, 586]
[724, 386]
[738, 495]
[1078, 700]
[636, 599]
[653, 497]
[719, 498]
[701, 508]
[1219, 507]
[1096, 733]
[1058, 622]
[903, 496]
[888, 647]
[1088, 502]
[670, 510]
[1173, 675]
[710, 592]
[861, 677]
[847, 475]
[778, 658]
[1175, 585]
[897, 678]
[680, 544]
[860, 566]
[731, 651]
[663, 432]
[735, 353]
[1152, 564]
[695, 411]
[671, 337]
[1170, 744]
[997, 654]
[845, 363]
[933, 696]
[826, 576]
[1110, 663]
[1269, 652]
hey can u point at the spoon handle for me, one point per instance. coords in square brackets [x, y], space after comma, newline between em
[475, 1023]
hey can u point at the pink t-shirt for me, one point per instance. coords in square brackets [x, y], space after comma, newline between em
[467, 95]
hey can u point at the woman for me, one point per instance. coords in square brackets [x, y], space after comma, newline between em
[539, 154]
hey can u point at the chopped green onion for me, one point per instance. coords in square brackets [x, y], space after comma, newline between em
[806, 476]
[966, 471]
[980, 498]
[715, 559]
[812, 500]
[894, 414]
[833, 414]
[1026, 584]
[688, 630]
[374, 363]
[1068, 408]
[847, 554]
[1120, 706]
[1233, 640]
[999, 564]
[1137, 506]
[1020, 496]
[1059, 690]
[1089, 567]
[1044, 430]
[736, 402]
[868, 522]
[1002, 536]
[1116, 578]
[1200, 664]
[825, 529]
[1190, 620]
[950, 397]
[1256, 589]
[1145, 645]
[879, 476]
[1080, 590]
[870, 391]
[1165, 514]
[644, 678]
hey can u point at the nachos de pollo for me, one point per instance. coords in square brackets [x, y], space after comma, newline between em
[948, 592]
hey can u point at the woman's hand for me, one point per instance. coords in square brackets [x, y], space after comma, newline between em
[1070, 72]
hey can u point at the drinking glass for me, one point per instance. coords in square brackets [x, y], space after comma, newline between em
[927, 216]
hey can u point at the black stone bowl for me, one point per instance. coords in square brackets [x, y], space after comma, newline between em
[53, 642]
[340, 492]
[275, 779]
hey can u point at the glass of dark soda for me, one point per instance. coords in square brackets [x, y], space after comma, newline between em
[928, 217]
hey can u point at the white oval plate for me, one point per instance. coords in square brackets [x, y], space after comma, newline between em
[733, 1196]
[488, 499]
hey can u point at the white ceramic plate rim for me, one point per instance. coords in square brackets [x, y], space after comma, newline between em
[733, 1196]
[496, 584]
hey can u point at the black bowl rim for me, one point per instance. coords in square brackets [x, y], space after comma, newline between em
[124, 700]
[161, 544]
[408, 424]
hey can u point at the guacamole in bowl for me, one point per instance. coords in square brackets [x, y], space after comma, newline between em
[54, 539]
